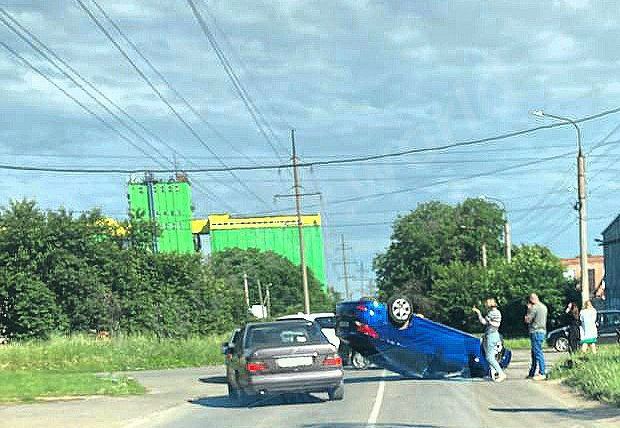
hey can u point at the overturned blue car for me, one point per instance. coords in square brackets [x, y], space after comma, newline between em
[392, 337]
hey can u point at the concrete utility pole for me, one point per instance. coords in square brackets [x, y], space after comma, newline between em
[484, 254]
[298, 195]
[260, 298]
[246, 290]
[362, 278]
[581, 206]
[345, 269]
[268, 298]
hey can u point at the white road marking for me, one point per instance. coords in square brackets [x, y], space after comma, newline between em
[376, 408]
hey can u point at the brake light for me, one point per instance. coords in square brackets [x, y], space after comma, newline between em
[332, 361]
[256, 367]
[367, 330]
[362, 308]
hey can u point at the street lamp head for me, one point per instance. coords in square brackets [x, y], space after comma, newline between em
[538, 113]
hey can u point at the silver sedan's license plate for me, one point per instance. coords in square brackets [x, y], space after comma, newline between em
[294, 361]
[343, 324]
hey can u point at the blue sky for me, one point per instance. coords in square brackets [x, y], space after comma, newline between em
[353, 78]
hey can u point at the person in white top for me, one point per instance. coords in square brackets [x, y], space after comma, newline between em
[588, 331]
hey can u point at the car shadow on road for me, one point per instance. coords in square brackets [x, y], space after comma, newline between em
[596, 413]
[223, 401]
[219, 380]
[401, 378]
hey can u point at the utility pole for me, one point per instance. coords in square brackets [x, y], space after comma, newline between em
[345, 269]
[580, 207]
[484, 254]
[298, 195]
[507, 241]
[246, 290]
[302, 255]
[260, 298]
[362, 278]
[268, 297]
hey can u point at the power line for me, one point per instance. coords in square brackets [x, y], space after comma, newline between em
[163, 78]
[247, 101]
[162, 98]
[92, 86]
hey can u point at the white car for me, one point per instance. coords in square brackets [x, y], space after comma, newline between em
[325, 320]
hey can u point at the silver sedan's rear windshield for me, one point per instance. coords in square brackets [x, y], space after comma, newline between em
[283, 334]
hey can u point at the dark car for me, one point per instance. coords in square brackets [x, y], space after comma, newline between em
[391, 336]
[281, 357]
[608, 322]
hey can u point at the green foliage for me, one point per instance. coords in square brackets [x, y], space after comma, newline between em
[83, 353]
[595, 376]
[28, 386]
[269, 268]
[459, 286]
[434, 235]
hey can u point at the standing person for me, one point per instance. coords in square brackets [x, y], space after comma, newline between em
[573, 328]
[492, 321]
[536, 320]
[588, 329]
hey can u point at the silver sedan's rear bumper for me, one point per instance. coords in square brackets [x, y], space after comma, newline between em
[314, 381]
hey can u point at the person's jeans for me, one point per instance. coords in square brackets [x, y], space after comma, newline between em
[538, 357]
[492, 339]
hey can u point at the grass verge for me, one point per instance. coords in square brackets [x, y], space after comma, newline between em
[30, 385]
[594, 376]
[518, 343]
[67, 366]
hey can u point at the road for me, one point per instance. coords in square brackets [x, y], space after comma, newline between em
[196, 398]
[382, 399]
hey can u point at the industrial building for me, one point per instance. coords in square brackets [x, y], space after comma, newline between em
[611, 252]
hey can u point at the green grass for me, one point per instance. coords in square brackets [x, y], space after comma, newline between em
[67, 366]
[519, 343]
[595, 376]
[31, 385]
[86, 354]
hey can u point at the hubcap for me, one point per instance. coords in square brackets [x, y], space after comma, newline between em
[561, 344]
[401, 309]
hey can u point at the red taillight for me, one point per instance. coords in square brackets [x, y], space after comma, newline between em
[367, 330]
[256, 367]
[332, 361]
[362, 308]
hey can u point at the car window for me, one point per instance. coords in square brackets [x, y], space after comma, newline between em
[326, 322]
[612, 319]
[283, 334]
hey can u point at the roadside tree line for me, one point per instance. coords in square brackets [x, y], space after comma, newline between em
[434, 257]
[61, 273]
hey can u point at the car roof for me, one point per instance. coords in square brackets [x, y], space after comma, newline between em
[310, 317]
[268, 323]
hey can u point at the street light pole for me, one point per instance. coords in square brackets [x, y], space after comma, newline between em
[581, 206]
[507, 237]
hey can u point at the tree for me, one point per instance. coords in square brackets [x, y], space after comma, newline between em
[270, 268]
[534, 269]
[435, 235]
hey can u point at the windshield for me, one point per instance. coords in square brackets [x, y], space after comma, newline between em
[326, 322]
[283, 334]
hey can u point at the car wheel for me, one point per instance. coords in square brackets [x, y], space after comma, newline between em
[400, 310]
[359, 361]
[336, 393]
[561, 344]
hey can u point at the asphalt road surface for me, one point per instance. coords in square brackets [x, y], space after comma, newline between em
[376, 398]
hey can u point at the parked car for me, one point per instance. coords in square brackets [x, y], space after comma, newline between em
[325, 320]
[280, 357]
[608, 322]
[392, 336]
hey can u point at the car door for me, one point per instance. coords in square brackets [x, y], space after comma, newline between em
[608, 323]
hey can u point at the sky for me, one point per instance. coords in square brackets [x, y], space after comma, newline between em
[353, 78]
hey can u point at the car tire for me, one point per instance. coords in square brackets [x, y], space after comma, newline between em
[400, 310]
[561, 344]
[358, 361]
[336, 393]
